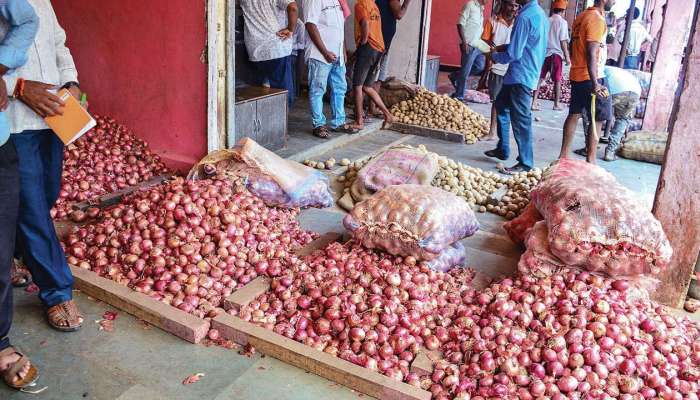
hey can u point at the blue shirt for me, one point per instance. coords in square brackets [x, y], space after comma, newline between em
[620, 81]
[527, 48]
[24, 24]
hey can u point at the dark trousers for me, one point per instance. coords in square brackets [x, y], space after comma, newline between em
[279, 73]
[9, 205]
[40, 156]
[514, 107]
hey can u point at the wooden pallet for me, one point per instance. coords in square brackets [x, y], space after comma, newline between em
[116, 197]
[417, 130]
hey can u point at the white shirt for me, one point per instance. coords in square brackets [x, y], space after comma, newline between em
[49, 61]
[638, 35]
[558, 31]
[262, 22]
[621, 81]
[500, 32]
[328, 17]
[471, 21]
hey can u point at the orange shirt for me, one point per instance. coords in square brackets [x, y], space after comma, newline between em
[368, 10]
[588, 27]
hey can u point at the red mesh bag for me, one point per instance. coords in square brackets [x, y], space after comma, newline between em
[518, 227]
[597, 224]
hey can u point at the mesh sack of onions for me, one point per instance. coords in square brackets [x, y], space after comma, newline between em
[278, 182]
[519, 227]
[188, 243]
[597, 224]
[107, 158]
[411, 220]
[453, 256]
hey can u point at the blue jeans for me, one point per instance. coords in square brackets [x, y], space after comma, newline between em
[460, 77]
[279, 73]
[513, 107]
[320, 76]
[40, 155]
[631, 62]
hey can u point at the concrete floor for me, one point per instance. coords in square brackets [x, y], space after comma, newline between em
[135, 362]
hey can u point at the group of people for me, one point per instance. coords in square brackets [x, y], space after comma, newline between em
[34, 64]
[523, 47]
[275, 38]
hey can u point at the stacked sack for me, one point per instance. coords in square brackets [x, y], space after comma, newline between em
[422, 222]
[592, 223]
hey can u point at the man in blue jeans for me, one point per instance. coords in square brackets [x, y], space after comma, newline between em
[20, 26]
[469, 27]
[326, 61]
[525, 54]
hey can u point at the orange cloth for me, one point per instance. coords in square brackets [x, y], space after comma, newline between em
[589, 26]
[487, 34]
[367, 10]
[562, 4]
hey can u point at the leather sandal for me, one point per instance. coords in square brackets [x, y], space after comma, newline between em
[14, 369]
[19, 275]
[65, 317]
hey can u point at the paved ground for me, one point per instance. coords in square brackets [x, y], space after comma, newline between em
[135, 362]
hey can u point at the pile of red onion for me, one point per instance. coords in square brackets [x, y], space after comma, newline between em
[366, 307]
[547, 90]
[189, 243]
[107, 158]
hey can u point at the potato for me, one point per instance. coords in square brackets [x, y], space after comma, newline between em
[344, 162]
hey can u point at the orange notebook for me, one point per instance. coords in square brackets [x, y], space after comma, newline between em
[74, 122]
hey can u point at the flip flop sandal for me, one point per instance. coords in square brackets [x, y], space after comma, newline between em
[65, 317]
[321, 132]
[11, 373]
[345, 129]
[20, 276]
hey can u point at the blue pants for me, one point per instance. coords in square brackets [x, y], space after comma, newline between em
[9, 205]
[279, 73]
[320, 76]
[513, 107]
[631, 62]
[460, 77]
[40, 155]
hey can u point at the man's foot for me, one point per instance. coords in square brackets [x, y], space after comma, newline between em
[453, 81]
[536, 106]
[19, 275]
[609, 156]
[517, 168]
[495, 153]
[16, 369]
[321, 132]
[346, 128]
[581, 152]
[388, 120]
[65, 317]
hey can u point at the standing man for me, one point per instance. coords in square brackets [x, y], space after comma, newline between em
[370, 46]
[269, 43]
[525, 54]
[497, 32]
[469, 27]
[638, 36]
[49, 66]
[557, 52]
[391, 11]
[325, 54]
[588, 57]
[18, 25]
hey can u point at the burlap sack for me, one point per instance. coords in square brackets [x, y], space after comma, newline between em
[278, 182]
[394, 91]
[645, 146]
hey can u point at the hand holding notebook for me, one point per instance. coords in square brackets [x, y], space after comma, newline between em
[73, 123]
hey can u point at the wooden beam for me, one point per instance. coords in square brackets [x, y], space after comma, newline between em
[212, 77]
[667, 68]
[164, 316]
[231, 74]
[416, 130]
[325, 365]
[243, 296]
[318, 244]
[677, 203]
[626, 40]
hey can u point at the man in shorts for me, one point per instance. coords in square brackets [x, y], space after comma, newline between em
[557, 53]
[588, 57]
[370, 48]
[497, 32]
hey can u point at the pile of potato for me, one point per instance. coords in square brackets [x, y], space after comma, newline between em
[473, 184]
[328, 164]
[436, 111]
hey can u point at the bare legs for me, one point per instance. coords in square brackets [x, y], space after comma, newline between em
[360, 92]
[591, 138]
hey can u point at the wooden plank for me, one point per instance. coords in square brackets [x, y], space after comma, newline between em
[231, 74]
[164, 316]
[677, 203]
[325, 365]
[427, 132]
[212, 77]
[114, 198]
[243, 296]
[424, 362]
[320, 243]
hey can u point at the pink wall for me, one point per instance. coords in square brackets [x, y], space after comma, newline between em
[444, 40]
[139, 61]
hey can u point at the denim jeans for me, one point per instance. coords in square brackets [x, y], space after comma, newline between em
[460, 77]
[321, 75]
[513, 107]
[631, 62]
[624, 104]
[40, 155]
[9, 205]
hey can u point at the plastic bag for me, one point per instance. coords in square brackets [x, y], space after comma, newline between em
[475, 96]
[517, 228]
[278, 182]
[453, 256]
[645, 146]
[411, 220]
[597, 224]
